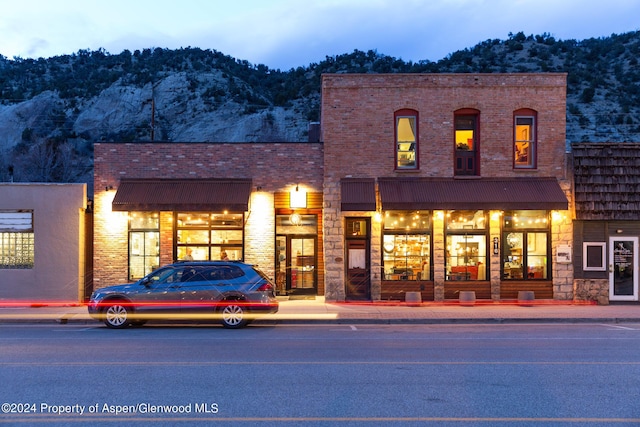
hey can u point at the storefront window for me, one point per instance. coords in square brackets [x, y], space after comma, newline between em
[144, 243]
[209, 236]
[466, 245]
[406, 244]
[526, 245]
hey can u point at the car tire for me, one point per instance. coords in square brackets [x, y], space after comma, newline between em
[233, 315]
[117, 315]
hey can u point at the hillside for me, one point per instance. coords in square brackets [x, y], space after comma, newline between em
[52, 110]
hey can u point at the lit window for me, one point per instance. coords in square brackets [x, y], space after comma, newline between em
[524, 146]
[209, 236]
[466, 245]
[16, 239]
[406, 244]
[144, 243]
[406, 139]
[466, 143]
[526, 245]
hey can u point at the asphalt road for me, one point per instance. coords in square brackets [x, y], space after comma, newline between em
[321, 375]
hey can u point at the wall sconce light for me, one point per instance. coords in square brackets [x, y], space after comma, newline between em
[259, 188]
[295, 219]
[297, 198]
[619, 231]
[108, 187]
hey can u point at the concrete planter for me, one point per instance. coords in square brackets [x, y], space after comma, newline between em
[525, 298]
[467, 298]
[413, 299]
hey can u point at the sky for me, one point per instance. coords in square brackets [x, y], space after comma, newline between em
[285, 34]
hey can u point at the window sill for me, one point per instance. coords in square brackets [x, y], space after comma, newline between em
[410, 171]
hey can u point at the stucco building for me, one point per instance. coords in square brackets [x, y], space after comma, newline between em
[43, 242]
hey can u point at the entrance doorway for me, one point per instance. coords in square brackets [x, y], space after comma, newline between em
[623, 264]
[296, 267]
[358, 267]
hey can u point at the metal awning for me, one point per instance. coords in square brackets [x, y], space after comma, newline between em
[485, 194]
[196, 195]
[358, 194]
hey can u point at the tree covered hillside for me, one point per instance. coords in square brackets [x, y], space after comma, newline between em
[52, 110]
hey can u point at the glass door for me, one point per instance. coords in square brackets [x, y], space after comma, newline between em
[296, 266]
[623, 264]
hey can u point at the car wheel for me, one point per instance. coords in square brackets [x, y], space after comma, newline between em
[116, 315]
[234, 315]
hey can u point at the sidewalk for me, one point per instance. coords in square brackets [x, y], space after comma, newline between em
[319, 311]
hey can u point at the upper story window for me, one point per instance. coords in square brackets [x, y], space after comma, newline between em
[467, 142]
[406, 133]
[524, 141]
[16, 239]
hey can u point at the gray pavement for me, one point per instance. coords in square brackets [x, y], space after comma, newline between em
[319, 311]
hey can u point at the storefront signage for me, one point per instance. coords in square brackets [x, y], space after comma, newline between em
[563, 255]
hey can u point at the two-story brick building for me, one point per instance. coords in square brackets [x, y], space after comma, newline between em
[445, 183]
[437, 183]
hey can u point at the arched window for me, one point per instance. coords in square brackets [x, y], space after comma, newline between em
[525, 139]
[467, 142]
[406, 136]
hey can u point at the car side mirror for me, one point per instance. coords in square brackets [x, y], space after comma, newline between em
[145, 281]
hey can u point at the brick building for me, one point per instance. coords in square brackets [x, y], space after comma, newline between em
[442, 183]
[431, 183]
[157, 202]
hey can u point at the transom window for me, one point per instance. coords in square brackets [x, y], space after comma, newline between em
[209, 236]
[406, 244]
[524, 145]
[16, 239]
[406, 132]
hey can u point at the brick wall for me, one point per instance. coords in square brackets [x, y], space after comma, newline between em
[357, 128]
[275, 167]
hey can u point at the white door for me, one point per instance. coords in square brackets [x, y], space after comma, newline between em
[623, 264]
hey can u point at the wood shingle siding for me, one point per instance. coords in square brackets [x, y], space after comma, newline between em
[607, 181]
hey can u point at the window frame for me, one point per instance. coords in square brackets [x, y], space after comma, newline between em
[525, 113]
[525, 255]
[411, 114]
[603, 256]
[464, 232]
[216, 222]
[144, 231]
[387, 255]
[464, 170]
[19, 239]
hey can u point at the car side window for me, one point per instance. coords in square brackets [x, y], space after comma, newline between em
[233, 272]
[165, 275]
[193, 274]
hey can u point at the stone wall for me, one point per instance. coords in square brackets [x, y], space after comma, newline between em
[587, 290]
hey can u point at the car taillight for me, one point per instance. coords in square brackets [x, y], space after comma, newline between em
[266, 287]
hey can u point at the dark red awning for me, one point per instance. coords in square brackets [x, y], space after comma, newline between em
[358, 194]
[196, 195]
[485, 194]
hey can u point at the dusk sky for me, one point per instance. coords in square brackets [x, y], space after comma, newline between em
[286, 34]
